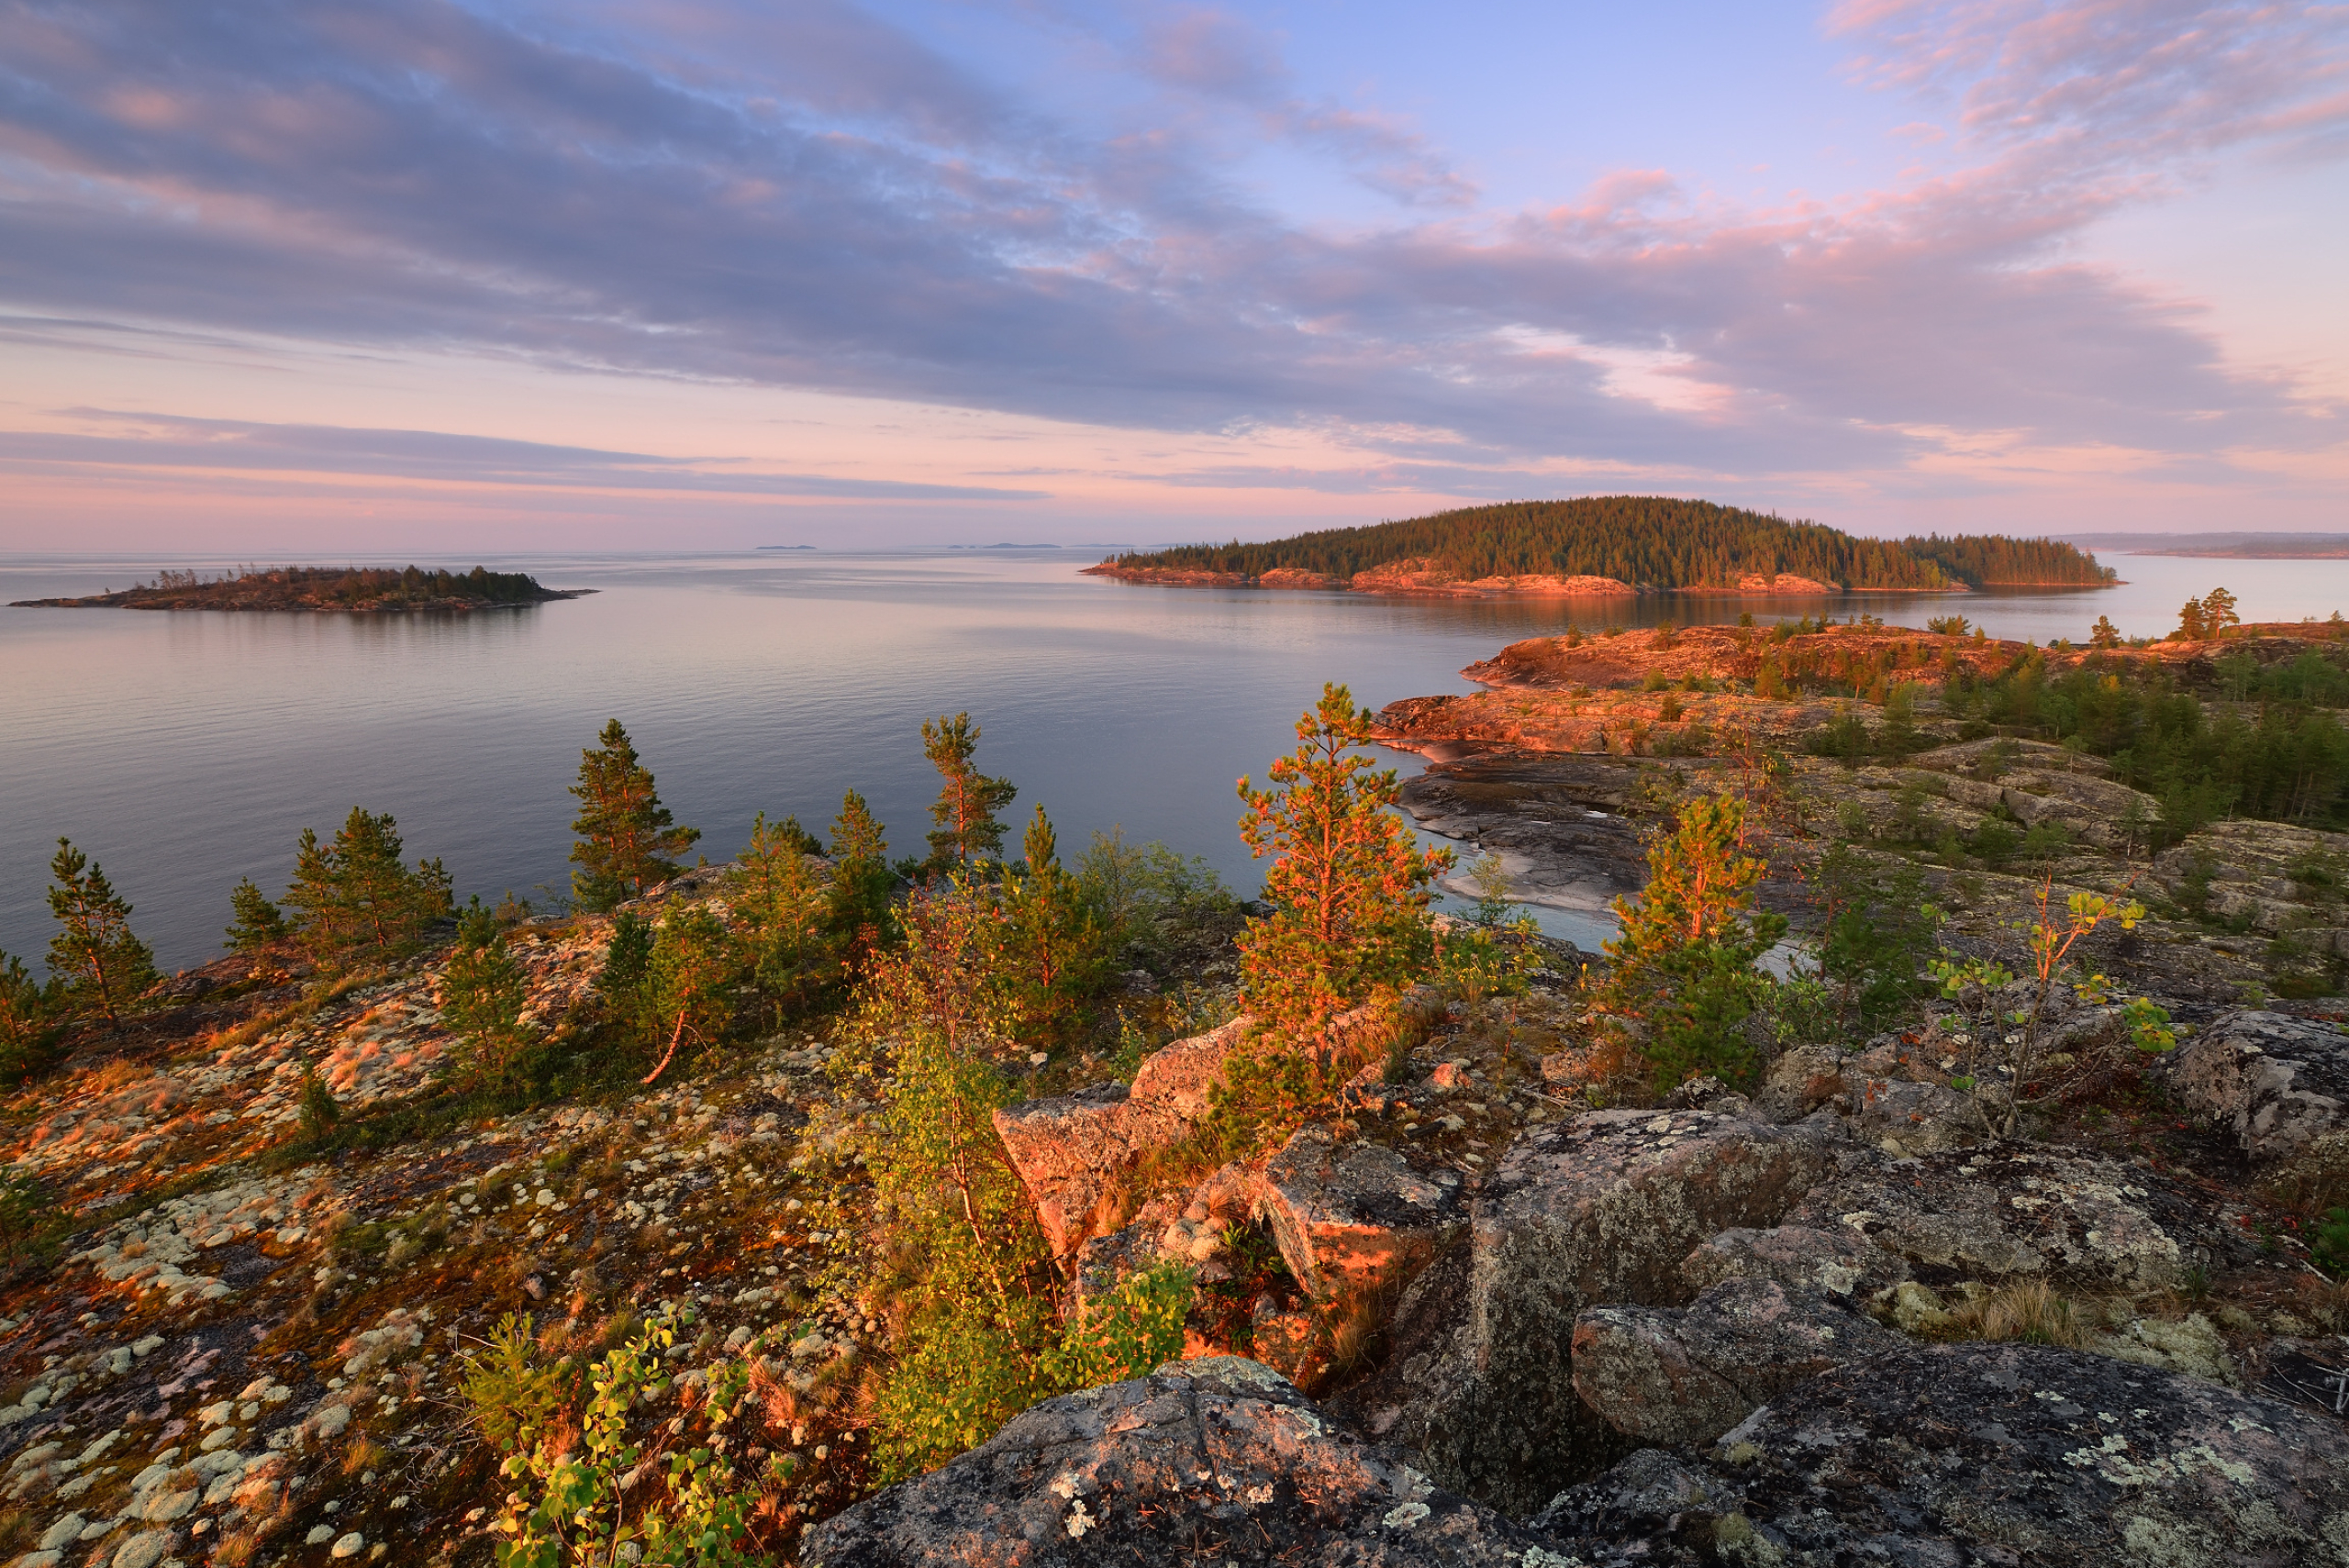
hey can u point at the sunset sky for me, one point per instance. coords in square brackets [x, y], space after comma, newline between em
[315, 278]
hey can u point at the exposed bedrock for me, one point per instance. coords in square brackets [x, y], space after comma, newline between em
[1686, 1375]
[1212, 1461]
[1963, 1454]
[2278, 1084]
[1603, 1211]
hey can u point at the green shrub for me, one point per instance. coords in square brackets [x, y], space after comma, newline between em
[1682, 981]
[515, 1396]
[481, 994]
[27, 1029]
[654, 1498]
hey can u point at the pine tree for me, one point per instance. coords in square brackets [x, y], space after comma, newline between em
[1052, 949]
[626, 835]
[2104, 634]
[689, 983]
[1682, 979]
[968, 828]
[483, 992]
[2191, 625]
[356, 895]
[26, 1027]
[93, 957]
[1348, 884]
[859, 901]
[2219, 612]
[257, 922]
[777, 893]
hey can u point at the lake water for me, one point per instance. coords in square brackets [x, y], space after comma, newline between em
[187, 749]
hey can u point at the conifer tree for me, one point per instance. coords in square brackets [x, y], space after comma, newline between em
[626, 836]
[1053, 949]
[482, 996]
[689, 983]
[1682, 979]
[2219, 612]
[968, 828]
[257, 922]
[355, 895]
[2104, 634]
[2191, 625]
[25, 1025]
[858, 899]
[1348, 884]
[95, 959]
[776, 891]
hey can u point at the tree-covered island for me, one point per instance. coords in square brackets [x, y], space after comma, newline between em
[1597, 545]
[360, 588]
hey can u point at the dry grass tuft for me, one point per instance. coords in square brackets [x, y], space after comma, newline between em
[2031, 1312]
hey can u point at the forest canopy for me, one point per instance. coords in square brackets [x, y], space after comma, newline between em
[1648, 540]
[324, 588]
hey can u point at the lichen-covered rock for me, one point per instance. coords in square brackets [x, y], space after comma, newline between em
[1602, 1210]
[2274, 1082]
[1667, 1375]
[1353, 1212]
[1840, 1263]
[1219, 1460]
[2005, 1454]
[2011, 1212]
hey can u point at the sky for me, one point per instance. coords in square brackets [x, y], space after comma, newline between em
[325, 278]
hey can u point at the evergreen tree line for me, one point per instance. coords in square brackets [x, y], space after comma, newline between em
[1645, 541]
[355, 585]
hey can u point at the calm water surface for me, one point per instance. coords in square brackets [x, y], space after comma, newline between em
[186, 749]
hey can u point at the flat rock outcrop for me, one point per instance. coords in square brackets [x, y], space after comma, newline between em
[2003, 1454]
[1215, 1460]
[2274, 1082]
[1671, 1375]
[1603, 1210]
[2024, 1212]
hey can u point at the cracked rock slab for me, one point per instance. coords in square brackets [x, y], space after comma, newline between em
[1353, 1212]
[1603, 1210]
[1218, 1460]
[2275, 1083]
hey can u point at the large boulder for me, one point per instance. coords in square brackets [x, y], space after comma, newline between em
[1353, 1213]
[2012, 1213]
[1070, 1149]
[1669, 1375]
[1213, 1461]
[2275, 1084]
[1600, 1211]
[1840, 1264]
[2005, 1454]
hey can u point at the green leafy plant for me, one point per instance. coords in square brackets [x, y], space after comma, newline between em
[592, 1503]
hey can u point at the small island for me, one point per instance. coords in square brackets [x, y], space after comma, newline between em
[362, 590]
[1603, 546]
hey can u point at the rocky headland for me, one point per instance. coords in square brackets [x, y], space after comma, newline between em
[324, 588]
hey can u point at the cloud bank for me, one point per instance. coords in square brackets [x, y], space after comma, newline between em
[814, 197]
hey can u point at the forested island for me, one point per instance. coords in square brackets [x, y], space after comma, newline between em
[1615, 544]
[373, 589]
